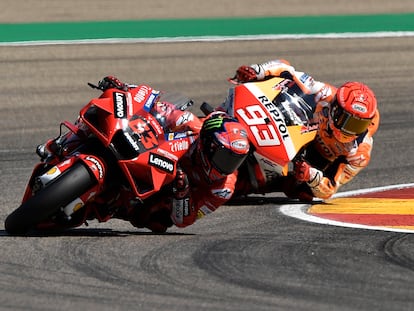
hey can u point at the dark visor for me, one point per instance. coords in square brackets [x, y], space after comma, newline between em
[348, 123]
[226, 161]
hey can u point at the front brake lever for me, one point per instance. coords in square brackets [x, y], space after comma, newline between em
[234, 80]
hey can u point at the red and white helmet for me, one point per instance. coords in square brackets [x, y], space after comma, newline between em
[223, 145]
[352, 111]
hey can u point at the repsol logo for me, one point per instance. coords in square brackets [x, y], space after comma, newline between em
[120, 105]
[162, 163]
[276, 115]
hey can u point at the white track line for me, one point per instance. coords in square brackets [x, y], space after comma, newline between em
[347, 35]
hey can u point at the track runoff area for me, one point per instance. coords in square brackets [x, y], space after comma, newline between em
[386, 208]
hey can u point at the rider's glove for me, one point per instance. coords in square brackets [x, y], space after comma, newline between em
[322, 187]
[181, 186]
[304, 172]
[109, 82]
[182, 214]
[250, 73]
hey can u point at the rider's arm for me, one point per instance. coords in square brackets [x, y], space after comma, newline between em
[273, 68]
[358, 158]
[177, 120]
[282, 68]
[323, 187]
[202, 201]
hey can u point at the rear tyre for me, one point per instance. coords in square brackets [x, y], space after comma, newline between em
[64, 189]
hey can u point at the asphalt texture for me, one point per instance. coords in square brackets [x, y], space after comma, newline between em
[242, 257]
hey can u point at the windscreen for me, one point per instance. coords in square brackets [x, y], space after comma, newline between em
[296, 109]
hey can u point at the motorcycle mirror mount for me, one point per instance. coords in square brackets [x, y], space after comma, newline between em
[93, 86]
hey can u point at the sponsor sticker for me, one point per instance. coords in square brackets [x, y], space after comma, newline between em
[142, 93]
[120, 105]
[224, 193]
[161, 162]
[97, 165]
[304, 77]
[179, 145]
[359, 108]
[151, 100]
[50, 175]
[240, 144]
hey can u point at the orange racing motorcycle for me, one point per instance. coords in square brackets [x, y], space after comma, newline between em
[118, 155]
[278, 117]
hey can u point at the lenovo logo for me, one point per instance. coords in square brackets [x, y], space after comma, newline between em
[162, 163]
[120, 105]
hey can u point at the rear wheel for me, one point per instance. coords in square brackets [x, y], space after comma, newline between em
[64, 189]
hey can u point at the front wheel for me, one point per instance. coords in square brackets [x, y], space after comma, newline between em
[67, 187]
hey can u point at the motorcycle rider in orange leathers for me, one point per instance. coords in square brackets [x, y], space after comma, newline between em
[348, 118]
[207, 173]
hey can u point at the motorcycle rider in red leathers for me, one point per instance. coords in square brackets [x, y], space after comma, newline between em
[207, 174]
[211, 165]
[348, 118]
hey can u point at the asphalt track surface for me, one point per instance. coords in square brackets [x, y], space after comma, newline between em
[242, 257]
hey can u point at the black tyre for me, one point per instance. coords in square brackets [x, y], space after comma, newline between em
[68, 186]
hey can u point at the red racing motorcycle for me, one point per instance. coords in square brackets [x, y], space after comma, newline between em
[118, 155]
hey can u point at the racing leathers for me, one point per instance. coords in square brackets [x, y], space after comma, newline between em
[328, 163]
[194, 194]
[205, 194]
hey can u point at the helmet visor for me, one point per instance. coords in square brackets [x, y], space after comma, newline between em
[225, 161]
[348, 123]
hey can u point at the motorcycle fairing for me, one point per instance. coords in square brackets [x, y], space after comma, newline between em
[123, 122]
[276, 139]
[128, 153]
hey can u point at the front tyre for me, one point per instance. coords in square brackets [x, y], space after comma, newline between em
[64, 189]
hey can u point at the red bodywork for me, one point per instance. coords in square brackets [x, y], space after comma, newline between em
[139, 146]
[156, 156]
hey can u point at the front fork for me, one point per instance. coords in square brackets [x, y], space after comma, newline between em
[70, 137]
